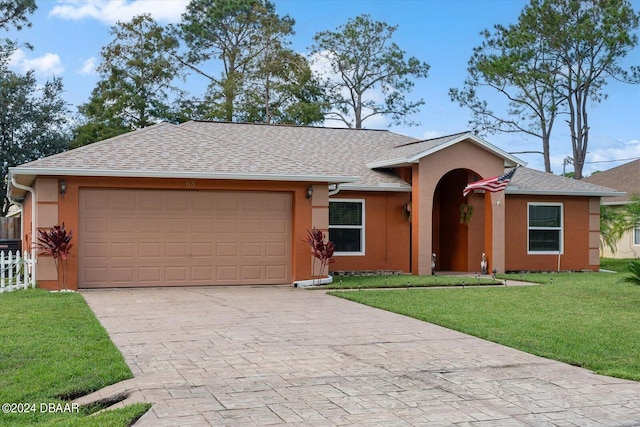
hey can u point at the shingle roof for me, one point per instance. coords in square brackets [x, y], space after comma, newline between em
[275, 152]
[412, 151]
[342, 151]
[166, 147]
[209, 149]
[625, 178]
[531, 181]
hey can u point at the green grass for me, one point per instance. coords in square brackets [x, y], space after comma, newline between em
[403, 281]
[613, 264]
[585, 319]
[52, 350]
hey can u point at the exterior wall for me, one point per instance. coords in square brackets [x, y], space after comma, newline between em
[27, 222]
[594, 233]
[578, 239]
[463, 155]
[319, 219]
[387, 234]
[304, 216]
[46, 216]
[476, 234]
[624, 247]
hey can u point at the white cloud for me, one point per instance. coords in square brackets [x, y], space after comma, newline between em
[45, 65]
[602, 155]
[89, 66]
[111, 11]
[616, 154]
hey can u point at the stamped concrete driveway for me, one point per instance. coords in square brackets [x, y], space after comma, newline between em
[274, 355]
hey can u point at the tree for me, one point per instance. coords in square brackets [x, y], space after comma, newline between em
[516, 64]
[32, 124]
[555, 60]
[617, 220]
[590, 38]
[13, 13]
[236, 32]
[137, 71]
[366, 62]
[282, 89]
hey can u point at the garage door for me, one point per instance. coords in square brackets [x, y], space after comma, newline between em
[176, 238]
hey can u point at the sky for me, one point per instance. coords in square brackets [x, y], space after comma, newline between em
[67, 36]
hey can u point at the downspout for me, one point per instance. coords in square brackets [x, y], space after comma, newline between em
[335, 190]
[33, 222]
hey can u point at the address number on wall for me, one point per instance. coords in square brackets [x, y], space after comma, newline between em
[190, 184]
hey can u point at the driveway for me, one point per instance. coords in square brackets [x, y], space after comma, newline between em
[275, 355]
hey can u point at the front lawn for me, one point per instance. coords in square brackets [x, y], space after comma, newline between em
[585, 319]
[52, 350]
[404, 281]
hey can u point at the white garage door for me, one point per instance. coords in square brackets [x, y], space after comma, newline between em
[176, 238]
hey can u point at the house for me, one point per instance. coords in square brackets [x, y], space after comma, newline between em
[205, 203]
[626, 179]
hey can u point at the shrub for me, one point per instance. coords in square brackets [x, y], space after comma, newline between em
[321, 249]
[57, 243]
[634, 268]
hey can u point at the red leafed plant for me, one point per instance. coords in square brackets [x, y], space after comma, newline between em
[57, 243]
[321, 249]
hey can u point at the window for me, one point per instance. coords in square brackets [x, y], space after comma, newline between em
[346, 226]
[545, 228]
[636, 236]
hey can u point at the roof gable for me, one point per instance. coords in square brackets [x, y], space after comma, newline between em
[413, 151]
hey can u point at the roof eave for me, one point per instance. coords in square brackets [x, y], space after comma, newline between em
[33, 172]
[381, 187]
[564, 193]
[617, 203]
[178, 174]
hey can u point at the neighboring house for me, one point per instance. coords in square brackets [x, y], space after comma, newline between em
[624, 178]
[204, 203]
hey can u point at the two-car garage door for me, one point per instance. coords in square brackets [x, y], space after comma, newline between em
[176, 238]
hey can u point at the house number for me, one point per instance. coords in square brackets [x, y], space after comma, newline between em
[190, 184]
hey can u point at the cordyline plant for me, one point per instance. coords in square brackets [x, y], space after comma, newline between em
[321, 249]
[57, 243]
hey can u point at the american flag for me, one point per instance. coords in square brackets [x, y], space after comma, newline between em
[494, 184]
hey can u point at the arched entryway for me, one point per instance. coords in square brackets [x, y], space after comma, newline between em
[458, 223]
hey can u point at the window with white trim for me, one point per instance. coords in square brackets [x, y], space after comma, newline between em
[636, 236]
[545, 228]
[346, 226]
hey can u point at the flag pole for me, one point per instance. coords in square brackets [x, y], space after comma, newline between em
[505, 189]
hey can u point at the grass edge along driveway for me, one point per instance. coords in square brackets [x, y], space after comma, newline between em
[584, 319]
[52, 350]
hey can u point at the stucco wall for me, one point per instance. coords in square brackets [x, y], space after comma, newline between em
[463, 155]
[624, 248]
[387, 233]
[578, 241]
[303, 208]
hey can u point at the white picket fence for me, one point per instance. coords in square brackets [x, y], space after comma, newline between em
[15, 271]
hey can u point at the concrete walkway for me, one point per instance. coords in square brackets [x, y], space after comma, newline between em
[275, 355]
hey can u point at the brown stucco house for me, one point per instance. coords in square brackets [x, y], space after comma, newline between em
[206, 203]
[626, 179]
